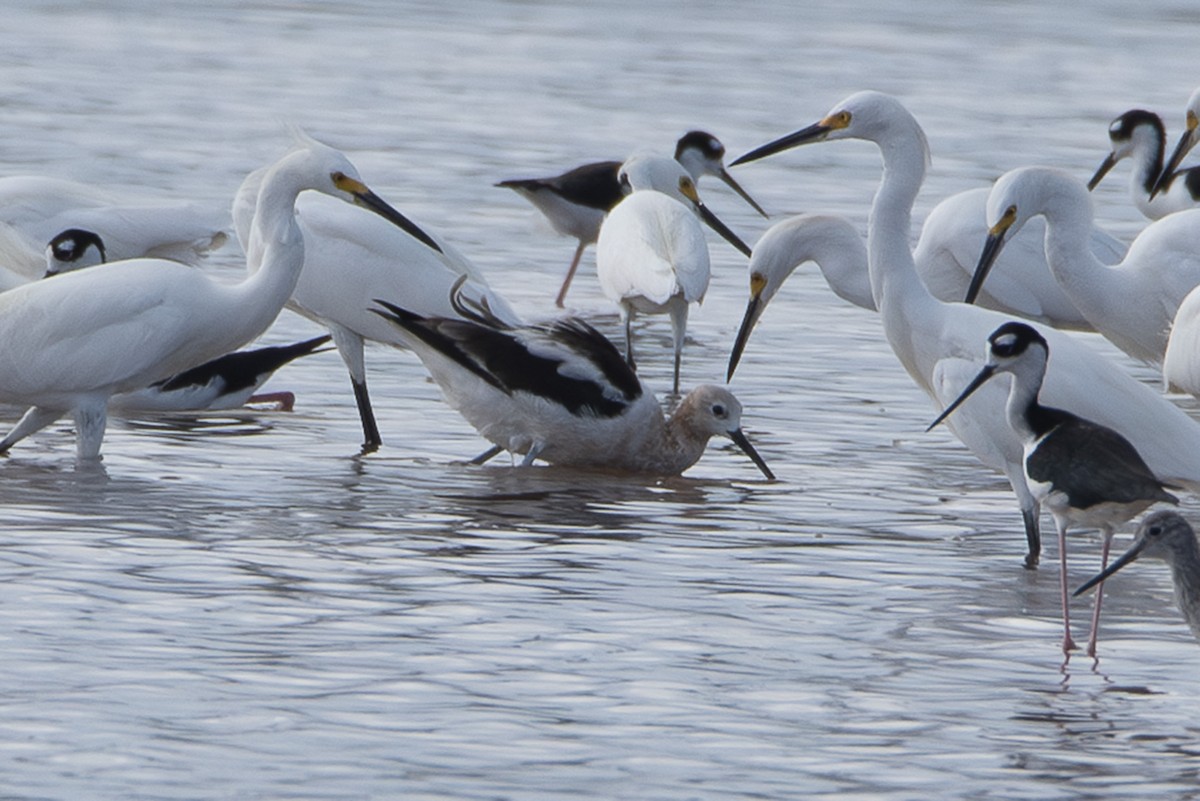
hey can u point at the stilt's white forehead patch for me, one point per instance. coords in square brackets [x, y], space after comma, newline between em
[1004, 343]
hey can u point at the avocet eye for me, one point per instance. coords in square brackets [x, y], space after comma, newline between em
[719, 411]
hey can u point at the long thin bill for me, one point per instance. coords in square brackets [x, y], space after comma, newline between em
[813, 133]
[753, 311]
[987, 258]
[715, 223]
[736, 187]
[375, 203]
[1181, 149]
[987, 372]
[1129, 556]
[1102, 171]
[740, 440]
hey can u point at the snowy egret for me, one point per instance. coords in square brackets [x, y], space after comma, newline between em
[948, 251]
[942, 345]
[831, 241]
[652, 256]
[1167, 536]
[576, 201]
[1187, 140]
[349, 260]
[1139, 135]
[226, 382]
[73, 341]
[1087, 475]
[561, 392]
[34, 208]
[1131, 303]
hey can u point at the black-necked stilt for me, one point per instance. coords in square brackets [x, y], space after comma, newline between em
[351, 258]
[1167, 536]
[1086, 474]
[1133, 302]
[1139, 135]
[73, 341]
[1187, 140]
[942, 344]
[652, 255]
[561, 393]
[576, 201]
[226, 382]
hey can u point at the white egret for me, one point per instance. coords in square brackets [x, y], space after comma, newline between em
[1086, 474]
[1139, 135]
[1131, 303]
[351, 259]
[941, 345]
[1167, 536]
[73, 341]
[561, 393]
[832, 242]
[226, 382]
[948, 250]
[576, 201]
[652, 257]
[34, 208]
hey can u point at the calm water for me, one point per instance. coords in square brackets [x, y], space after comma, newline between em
[237, 607]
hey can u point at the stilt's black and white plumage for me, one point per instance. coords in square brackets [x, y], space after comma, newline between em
[1167, 536]
[226, 382]
[1187, 140]
[561, 392]
[576, 201]
[1085, 474]
[1139, 135]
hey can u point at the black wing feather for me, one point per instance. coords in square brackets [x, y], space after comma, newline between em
[242, 368]
[1093, 464]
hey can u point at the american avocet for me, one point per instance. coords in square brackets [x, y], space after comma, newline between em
[1087, 475]
[561, 392]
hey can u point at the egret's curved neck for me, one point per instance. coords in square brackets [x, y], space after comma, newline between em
[904, 303]
[1099, 290]
[275, 251]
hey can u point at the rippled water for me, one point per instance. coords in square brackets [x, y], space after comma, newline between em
[239, 607]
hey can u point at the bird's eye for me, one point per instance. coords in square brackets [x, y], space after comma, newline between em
[719, 411]
[1154, 531]
[623, 180]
